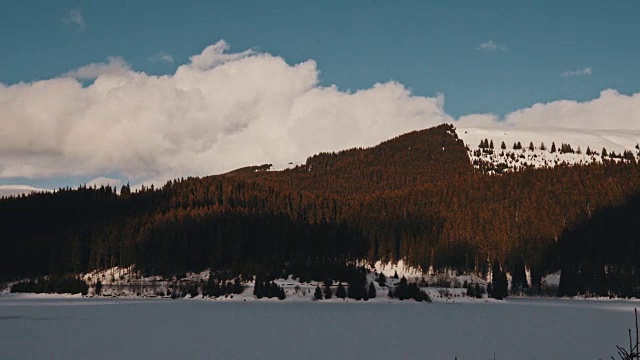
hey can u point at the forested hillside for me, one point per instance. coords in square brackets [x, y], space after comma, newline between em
[415, 197]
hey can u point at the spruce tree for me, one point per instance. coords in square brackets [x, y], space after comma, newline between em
[317, 295]
[340, 291]
[372, 291]
[503, 146]
[499, 282]
[98, 287]
[328, 293]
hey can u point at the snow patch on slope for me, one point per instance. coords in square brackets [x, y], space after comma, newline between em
[510, 159]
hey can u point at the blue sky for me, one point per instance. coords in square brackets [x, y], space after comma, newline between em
[429, 46]
[482, 56]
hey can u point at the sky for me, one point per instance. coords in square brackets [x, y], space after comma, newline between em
[145, 91]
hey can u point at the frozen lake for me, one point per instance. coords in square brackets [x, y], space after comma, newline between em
[193, 329]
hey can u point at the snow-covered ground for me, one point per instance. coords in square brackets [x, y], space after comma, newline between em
[128, 283]
[165, 329]
[509, 159]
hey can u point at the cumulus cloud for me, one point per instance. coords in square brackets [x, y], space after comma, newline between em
[74, 17]
[491, 46]
[219, 112]
[161, 57]
[584, 71]
[115, 65]
[222, 111]
[610, 111]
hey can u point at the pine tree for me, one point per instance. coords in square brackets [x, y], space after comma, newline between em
[340, 291]
[604, 152]
[543, 147]
[499, 288]
[491, 144]
[503, 146]
[531, 147]
[402, 290]
[317, 295]
[328, 293]
[382, 280]
[479, 291]
[553, 147]
[372, 291]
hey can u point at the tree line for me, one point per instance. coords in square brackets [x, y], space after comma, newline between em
[415, 197]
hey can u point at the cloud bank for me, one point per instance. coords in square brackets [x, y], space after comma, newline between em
[219, 112]
[226, 110]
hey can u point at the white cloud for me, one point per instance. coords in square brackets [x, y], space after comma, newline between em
[219, 112]
[115, 65]
[225, 110]
[13, 190]
[491, 46]
[161, 57]
[74, 17]
[584, 71]
[610, 111]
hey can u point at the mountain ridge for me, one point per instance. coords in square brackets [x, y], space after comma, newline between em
[416, 197]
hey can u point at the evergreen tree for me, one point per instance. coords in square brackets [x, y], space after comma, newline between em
[340, 291]
[471, 290]
[317, 295]
[478, 291]
[499, 288]
[382, 280]
[503, 146]
[328, 293]
[553, 147]
[491, 144]
[531, 147]
[372, 291]
[402, 290]
[98, 287]
[543, 147]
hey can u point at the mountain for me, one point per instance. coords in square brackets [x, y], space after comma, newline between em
[416, 197]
